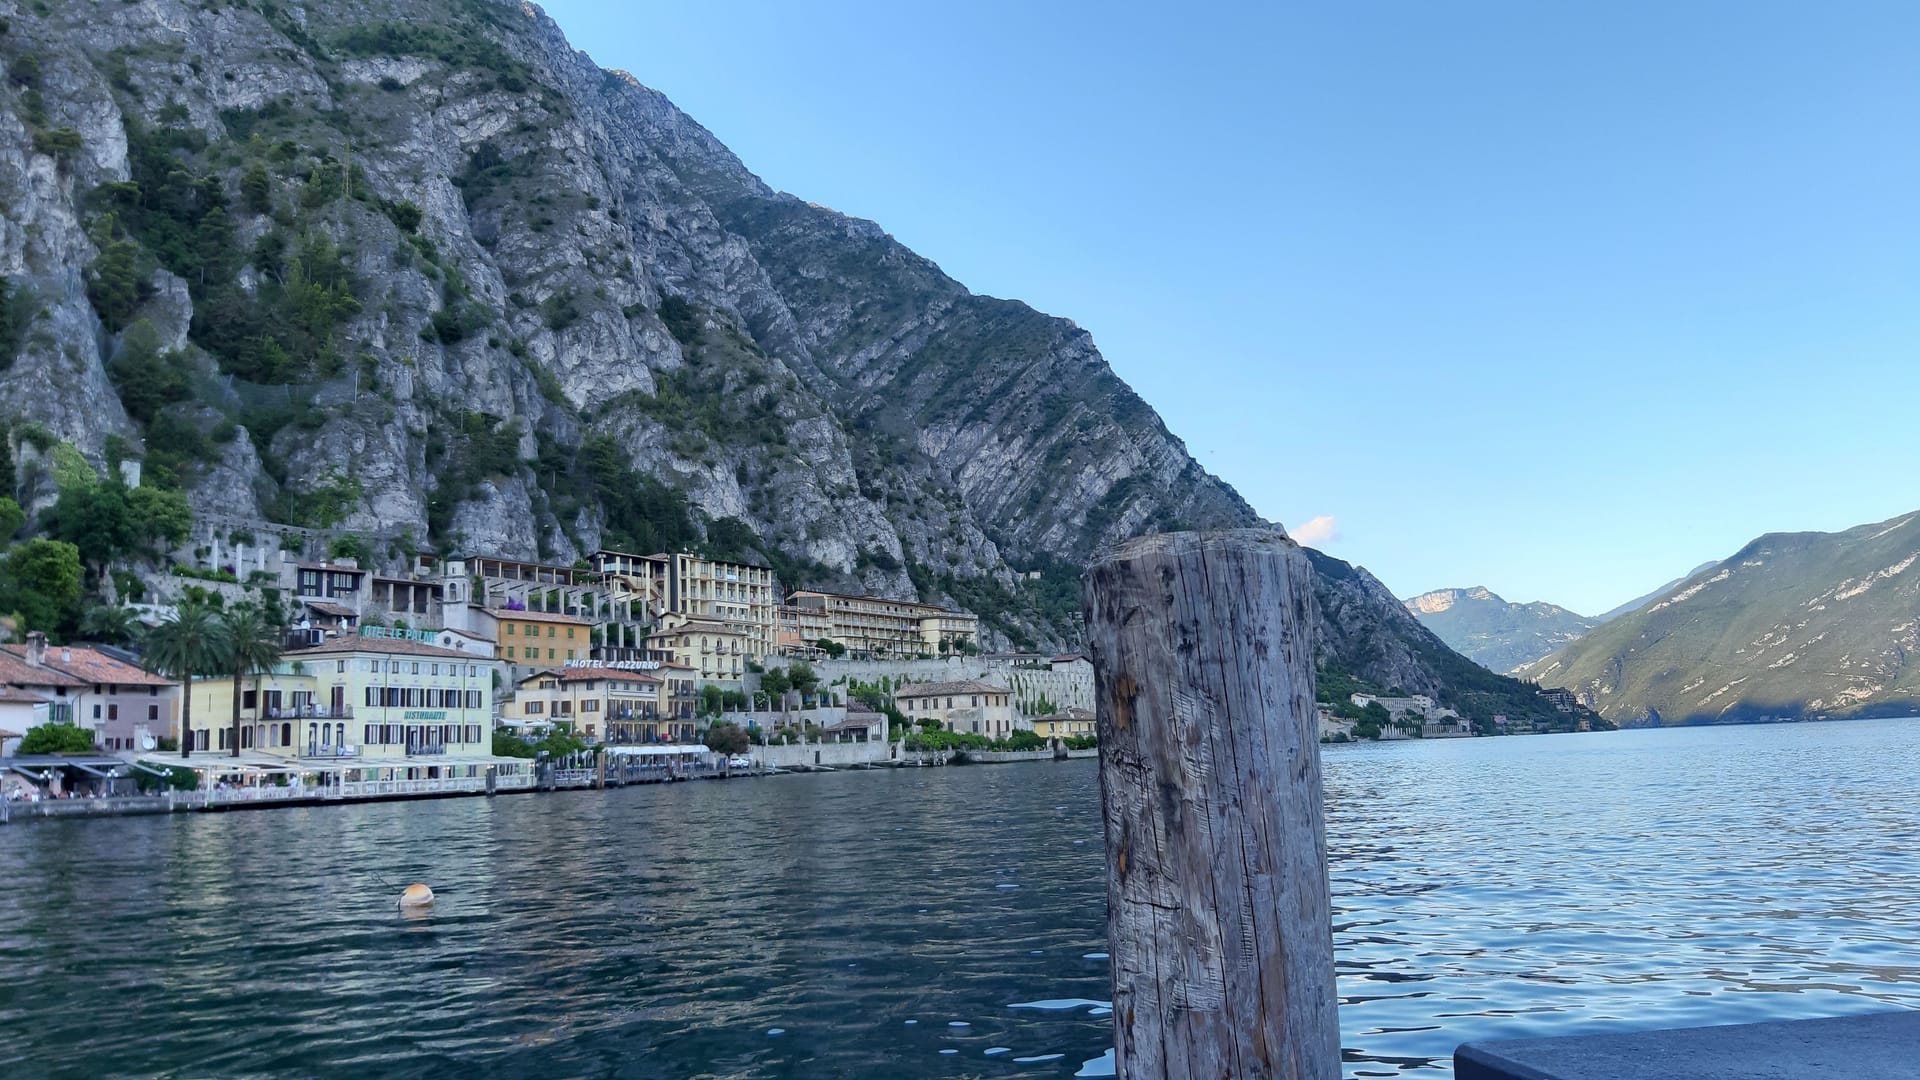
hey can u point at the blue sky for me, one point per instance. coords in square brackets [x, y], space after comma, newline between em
[1558, 299]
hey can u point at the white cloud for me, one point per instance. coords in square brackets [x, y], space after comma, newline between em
[1319, 531]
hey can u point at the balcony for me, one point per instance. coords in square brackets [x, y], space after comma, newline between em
[308, 712]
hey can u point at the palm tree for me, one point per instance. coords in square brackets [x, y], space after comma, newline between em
[112, 625]
[191, 644]
[253, 641]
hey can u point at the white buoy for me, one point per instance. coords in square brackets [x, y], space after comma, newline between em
[416, 895]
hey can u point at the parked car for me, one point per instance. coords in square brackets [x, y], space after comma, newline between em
[739, 761]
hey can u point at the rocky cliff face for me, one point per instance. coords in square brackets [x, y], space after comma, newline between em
[1493, 632]
[1793, 624]
[519, 257]
[421, 271]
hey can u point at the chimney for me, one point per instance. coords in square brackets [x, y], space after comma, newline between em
[36, 648]
[66, 656]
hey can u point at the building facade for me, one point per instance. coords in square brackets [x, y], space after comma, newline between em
[125, 708]
[700, 589]
[1065, 724]
[397, 695]
[530, 641]
[714, 652]
[872, 626]
[610, 704]
[969, 707]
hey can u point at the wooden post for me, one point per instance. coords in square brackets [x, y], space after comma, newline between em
[1218, 916]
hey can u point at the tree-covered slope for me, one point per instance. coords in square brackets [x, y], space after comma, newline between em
[1793, 624]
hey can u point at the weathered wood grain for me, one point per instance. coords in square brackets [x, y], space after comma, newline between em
[1218, 916]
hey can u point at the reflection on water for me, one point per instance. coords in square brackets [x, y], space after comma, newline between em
[859, 925]
[1557, 885]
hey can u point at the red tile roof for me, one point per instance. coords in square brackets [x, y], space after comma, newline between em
[968, 686]
[538, 616]
[577, 674]
[354, 643]
[87, 666]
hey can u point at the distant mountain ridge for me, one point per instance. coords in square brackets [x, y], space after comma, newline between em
[1496, 633]
[1639, 602]
[1792, 625]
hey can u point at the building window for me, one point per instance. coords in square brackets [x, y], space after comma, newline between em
[510, 629]
[113, 712]
[153, 712]
[96, 711]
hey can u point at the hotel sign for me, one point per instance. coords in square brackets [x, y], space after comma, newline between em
[616, 665]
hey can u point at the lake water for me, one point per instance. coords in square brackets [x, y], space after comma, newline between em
[887, 924]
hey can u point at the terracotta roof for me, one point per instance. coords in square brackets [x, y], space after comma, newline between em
[537, 616]
[353, 643]
[89, 666]
[1070, 714]
[941, 689]
[577, 674]
[13, 695]
[703, 626]
[336, 610]
[15, 671]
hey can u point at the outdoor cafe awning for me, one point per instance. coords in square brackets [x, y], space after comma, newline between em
[672, 750]
[35, 765]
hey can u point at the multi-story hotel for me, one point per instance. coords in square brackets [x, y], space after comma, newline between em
[376, 692]
[700, 589]
[617, 702]
[875, 626]
[711, 651]
[529, 641]
[799, 630]
[397, 694]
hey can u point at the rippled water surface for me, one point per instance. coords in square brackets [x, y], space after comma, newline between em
[885, 924]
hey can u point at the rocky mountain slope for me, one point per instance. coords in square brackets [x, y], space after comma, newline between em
[421, 272]
[1495, 633]
[1643, 600]
[1792, 625]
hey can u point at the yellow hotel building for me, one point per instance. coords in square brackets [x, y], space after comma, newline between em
[530, 641]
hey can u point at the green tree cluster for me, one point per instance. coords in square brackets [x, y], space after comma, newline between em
[108, 521]
[724, 738]
[147, 379]
[57, 739]
[41, 583]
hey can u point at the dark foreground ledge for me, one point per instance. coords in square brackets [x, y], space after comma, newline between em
[1869, 1047]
